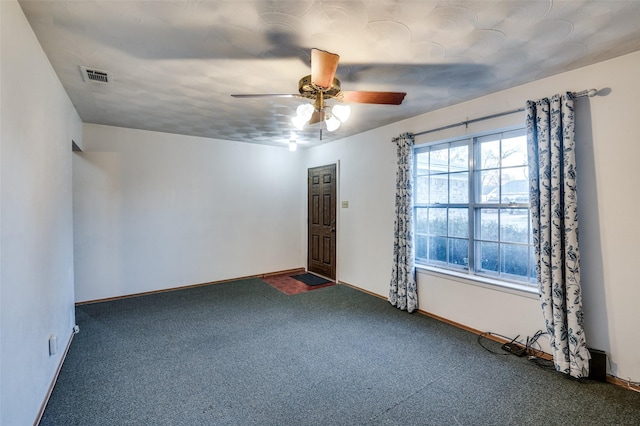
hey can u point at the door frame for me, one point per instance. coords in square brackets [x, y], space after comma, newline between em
[335, 163]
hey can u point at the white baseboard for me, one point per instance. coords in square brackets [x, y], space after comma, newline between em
[55, 379]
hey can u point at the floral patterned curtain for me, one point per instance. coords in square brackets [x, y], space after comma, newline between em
[403, 292]
[554, 211]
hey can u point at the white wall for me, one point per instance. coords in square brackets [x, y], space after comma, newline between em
[608, 163]
[38, 123]
[155, 211]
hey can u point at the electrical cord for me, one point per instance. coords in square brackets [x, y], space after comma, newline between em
[511, 342]
[514, 346]
[534, 341]
[483, 335]
[545, 364]
[536, 360]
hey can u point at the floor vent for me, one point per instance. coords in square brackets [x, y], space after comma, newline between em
[97, 76]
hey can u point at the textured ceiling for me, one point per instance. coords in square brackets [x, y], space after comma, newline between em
[174, 64]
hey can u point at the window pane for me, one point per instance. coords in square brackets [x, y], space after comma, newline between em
[515, 185]
[438, 249]
[489, 154]
[421, 225]
[488, 224]
[438, 221]
[459, 188]
[489, 259]
[422, 190]
[421, 246]
[439, 160]
[422, 163]
[488, 181]
[439, 187]
[514, 260]
[458, 252]
[459, 223]
[514, 226]
[514, 151]
[459, 158]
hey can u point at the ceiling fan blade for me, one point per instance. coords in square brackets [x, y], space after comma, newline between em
[267, 95]
[386, 98]
[323, 67]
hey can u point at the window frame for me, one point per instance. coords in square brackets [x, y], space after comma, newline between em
[476, 204]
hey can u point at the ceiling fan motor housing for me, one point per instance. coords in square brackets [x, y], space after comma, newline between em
[308, 90]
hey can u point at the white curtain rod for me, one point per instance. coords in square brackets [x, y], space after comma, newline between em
[589, 92]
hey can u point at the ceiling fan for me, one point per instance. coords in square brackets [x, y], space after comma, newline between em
[322, 85]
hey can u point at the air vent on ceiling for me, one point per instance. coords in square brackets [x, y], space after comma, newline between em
[98, 76]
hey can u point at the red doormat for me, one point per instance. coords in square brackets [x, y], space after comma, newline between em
[291, 286]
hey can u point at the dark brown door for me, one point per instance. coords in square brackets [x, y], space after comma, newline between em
[321, 253]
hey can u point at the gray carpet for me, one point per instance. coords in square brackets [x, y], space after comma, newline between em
[243, 353]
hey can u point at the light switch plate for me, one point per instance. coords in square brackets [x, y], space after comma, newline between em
[345, 204]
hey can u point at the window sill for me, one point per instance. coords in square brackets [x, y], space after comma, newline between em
[479, 281]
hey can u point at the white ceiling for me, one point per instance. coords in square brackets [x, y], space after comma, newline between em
[174, 64]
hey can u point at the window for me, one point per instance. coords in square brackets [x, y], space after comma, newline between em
[472, 207]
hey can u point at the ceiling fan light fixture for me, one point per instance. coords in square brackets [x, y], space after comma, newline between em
[293, 145]
[304, 111]
[299, 122]
[341, 112]
[303, 115]
[332, 123]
